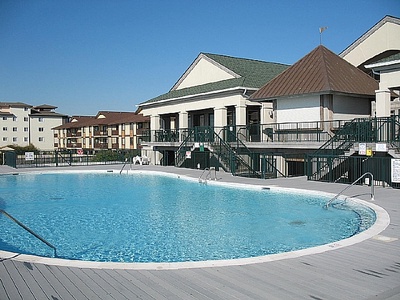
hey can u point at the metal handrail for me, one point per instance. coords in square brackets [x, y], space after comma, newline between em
[208, 176]
[29, 230]
[126, 160]
[349, 186]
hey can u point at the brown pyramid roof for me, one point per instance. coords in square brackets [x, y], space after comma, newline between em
[321, 71]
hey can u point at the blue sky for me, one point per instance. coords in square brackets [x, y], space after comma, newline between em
[85, 56]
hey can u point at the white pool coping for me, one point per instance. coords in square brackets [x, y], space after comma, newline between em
[381, 223]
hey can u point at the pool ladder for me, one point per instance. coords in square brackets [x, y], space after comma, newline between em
[208, 175]
[372, 193]
[126, 161]
[29, 230]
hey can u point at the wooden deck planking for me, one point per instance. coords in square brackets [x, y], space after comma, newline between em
[119, 290]
[7, 280]
[217, 290]
[289, 284]
[113, 290]
[161, 278]
[188, 282]
[29, 280]
[147, 291]
[258, 283]
[72, 283]
[233, 285]
[54, 282]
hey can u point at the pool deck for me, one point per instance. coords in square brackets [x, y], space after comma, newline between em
[366, 270]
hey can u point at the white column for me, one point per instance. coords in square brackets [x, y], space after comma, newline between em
[241, 115]
[183, 119]
[267, 113]
[154, 122]
[382, 103]
[220, 116]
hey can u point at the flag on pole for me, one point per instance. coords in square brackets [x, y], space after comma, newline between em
[322, 29]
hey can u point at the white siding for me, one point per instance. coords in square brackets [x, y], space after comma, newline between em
[204, 72]
[379, 41]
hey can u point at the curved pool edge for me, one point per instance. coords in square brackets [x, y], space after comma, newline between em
[381, 223]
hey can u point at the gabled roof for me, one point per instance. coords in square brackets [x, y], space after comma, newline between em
[373, 29]
[117, 117]
[321, 71]
[248, 73]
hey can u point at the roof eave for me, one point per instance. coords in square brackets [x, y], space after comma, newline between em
[194, 96]
[327, 92]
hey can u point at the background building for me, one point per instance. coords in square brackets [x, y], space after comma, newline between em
[105, 131]
[22, 124]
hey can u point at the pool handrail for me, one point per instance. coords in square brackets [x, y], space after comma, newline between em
[29, 230]
[126, 160]
[349, 186]
[208, 175]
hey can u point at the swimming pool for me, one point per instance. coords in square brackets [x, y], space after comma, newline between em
[153, 218]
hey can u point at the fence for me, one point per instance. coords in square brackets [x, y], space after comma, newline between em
[68, 158]
[346, 169]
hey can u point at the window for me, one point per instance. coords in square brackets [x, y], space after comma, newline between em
[14, 119]
[15, 128]
[4, 139]
[41, 139]
[15, 139]
[25, 119]
[25, 109]
[4, 128]
[26, 129]
[4, 118]
[41, 129]
[41, 119]
[25, 139]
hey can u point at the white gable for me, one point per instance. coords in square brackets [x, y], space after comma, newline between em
[202, 71]
[379, 39]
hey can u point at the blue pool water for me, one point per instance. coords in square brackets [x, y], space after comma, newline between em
[153, 218]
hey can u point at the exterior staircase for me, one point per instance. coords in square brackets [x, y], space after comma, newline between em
[233, 157]
[338, 160]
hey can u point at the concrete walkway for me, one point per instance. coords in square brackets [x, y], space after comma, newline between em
[366, 270]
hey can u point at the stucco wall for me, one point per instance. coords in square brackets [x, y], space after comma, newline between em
[298, 109]
[389, 79]
[345, 108]
[6, 137]
[47, 134]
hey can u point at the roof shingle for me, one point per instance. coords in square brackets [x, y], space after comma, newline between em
[253, 74]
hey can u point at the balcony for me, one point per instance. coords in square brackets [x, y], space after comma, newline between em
[257, 135]
[100, 146]
[74, 145]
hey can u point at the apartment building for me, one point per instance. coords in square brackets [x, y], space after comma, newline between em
[23, 124]
[105, 131]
